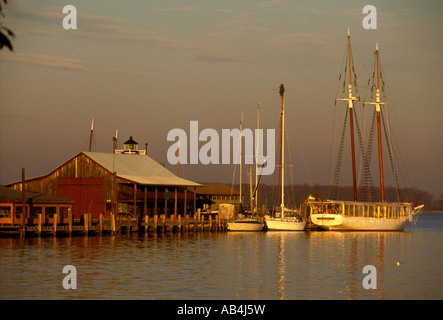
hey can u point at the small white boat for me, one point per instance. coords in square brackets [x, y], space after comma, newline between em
[285, 224]
[245, 224]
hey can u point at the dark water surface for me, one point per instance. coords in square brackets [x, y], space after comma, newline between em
[255, 265]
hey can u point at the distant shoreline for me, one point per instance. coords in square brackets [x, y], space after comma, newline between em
[433, 211]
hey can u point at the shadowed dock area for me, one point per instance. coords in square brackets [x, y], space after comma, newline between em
[113, 225]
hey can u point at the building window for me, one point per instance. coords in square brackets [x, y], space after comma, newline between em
[35, 211]
[5, 211]
[18, 211]
[49, 212]
[64, 212]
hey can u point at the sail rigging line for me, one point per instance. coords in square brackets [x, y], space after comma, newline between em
[404, 155]
[300, 152]
[366, 167]
[290, 169]
[391, 157]
[368, 179]
[333, 188]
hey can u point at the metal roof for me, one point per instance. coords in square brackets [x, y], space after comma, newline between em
[131, 141]
[140, 169]
[7, 195]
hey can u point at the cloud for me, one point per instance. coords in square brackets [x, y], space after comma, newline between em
[47, 21]
[46, 61]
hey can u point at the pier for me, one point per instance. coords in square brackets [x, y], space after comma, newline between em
[116, 224]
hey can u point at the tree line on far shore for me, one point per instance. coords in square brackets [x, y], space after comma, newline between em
[295, 194]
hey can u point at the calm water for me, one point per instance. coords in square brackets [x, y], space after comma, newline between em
[263, 265]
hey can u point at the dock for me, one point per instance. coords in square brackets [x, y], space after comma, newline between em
[116, 224]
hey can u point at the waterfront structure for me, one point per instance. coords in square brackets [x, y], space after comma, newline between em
[211, 195]
[48, 207]
[126, 184]
[131, 147]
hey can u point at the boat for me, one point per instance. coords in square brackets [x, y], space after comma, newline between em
[244, 223]
[370, 214]
[358, 216]
[283, 222]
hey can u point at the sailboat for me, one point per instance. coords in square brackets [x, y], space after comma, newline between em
[244, 223]
[360, 215]
[284, 222]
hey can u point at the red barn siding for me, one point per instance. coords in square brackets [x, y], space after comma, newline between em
[86, 192]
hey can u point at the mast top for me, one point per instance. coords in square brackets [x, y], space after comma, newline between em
[348, 32]
[376, 46]
[282, 90]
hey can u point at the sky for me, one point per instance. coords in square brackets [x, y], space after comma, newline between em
[147, 67]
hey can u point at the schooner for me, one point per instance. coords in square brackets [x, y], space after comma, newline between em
[360, 215]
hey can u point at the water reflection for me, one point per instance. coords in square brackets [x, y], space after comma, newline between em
[254, 265]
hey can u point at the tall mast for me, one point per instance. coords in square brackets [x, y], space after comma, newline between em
[257, 154]
[241, 157]
[250, 189]
[282, 149]
[380, 157]
[178, 156]
[378, 104]
[90, 137]
[350, 101]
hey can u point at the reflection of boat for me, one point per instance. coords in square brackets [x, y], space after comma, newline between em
[244, 223]
[284, 222]
[361, 215]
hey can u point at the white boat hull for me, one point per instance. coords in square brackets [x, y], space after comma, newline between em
[370, 224]
[359, 216]
[327, 220]
[245, 225]
[285, 224]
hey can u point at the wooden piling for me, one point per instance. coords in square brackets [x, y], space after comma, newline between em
[39, 225]
[22, 215]
[171, 218]
[100, 223]
[69, 222]
[86, 222]
[112, 218]
[187, 222]
[146, 223]
[54, 223]
[175, 201]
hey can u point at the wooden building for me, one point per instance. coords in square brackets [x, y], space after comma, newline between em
[211, 195]
[126, 184]
[11, 207]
